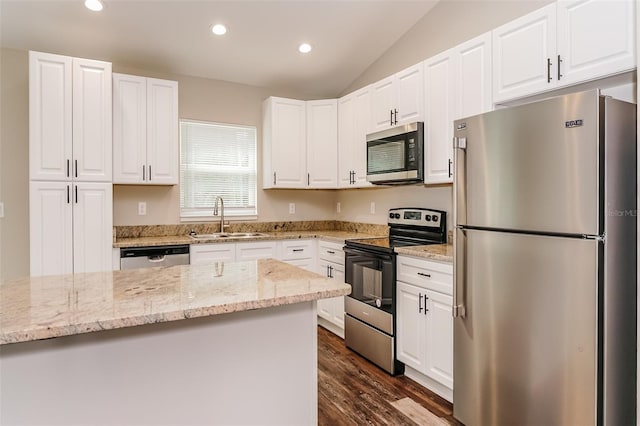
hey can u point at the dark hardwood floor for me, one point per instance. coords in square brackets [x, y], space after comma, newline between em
[353, 391]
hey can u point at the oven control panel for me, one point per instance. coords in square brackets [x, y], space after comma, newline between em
[417, 217]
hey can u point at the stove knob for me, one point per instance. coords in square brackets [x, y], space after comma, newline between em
[435, 218]
[390, 215]
[397, 215]
[428, 218]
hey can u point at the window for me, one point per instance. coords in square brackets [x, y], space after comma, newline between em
[217, 160]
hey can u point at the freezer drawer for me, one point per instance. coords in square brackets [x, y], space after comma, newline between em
[526, 351]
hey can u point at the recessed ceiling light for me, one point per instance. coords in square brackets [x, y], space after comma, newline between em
[219, 29]
[304, 48]
[95, 5]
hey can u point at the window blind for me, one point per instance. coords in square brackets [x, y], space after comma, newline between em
[217, 160]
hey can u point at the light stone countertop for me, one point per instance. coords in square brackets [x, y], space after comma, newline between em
[37, 308]
[439, 252]
[336, 236]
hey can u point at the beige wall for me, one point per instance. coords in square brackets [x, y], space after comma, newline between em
[14, 163]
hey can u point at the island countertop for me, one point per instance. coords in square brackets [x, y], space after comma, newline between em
[37, 308]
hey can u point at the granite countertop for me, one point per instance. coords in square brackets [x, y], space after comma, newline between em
[337, 236]
[36, 308]
[439, 252]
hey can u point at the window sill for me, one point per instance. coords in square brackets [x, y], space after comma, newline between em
[217, 218]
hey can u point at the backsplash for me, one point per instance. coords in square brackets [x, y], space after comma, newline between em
[207, 228]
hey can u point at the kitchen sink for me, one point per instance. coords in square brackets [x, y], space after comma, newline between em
[218, 235]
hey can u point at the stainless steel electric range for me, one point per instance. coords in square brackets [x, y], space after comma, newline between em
[370, 268]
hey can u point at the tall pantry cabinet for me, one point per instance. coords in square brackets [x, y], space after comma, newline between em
[70, 165]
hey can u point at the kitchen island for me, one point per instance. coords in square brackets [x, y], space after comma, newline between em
[223, 343]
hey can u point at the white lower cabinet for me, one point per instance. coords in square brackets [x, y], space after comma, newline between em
[331, 264]
[200, 254]
[71, 226]
[425, 324]
[301, 253]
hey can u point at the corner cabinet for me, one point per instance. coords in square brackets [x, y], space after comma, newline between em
[145, 130]
[397, 99]
[354, 116]
[69, 118]
[564, 43]
[457, 84]
[424, 322]
[300, 143]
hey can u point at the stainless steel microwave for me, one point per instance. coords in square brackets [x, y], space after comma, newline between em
[395, 156]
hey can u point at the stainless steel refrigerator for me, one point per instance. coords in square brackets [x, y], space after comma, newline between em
[545, 264]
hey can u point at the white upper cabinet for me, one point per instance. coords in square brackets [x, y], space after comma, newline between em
[300, 143]
[69, 118]
[145, 130]
[284, 143]
[354, 112]
[562, 44]
[595, 38]
[398, 99]
[522, 54]
[457, 83]
[322, 143]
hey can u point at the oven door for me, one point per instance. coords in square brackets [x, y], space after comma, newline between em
[371, 276]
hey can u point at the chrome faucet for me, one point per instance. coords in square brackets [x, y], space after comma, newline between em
[215, 212]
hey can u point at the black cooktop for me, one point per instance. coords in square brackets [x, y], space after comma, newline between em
[407, 227]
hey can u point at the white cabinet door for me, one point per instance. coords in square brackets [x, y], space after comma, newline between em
[337, 273]
[524, 55]
[162, 132]
[332, 309]
[383, 100]
[92, 227]
[354, 119]
[472, 61]
[409, 95]
[129, 128]
[50, 116]
[92, 121]
[201, 254]
[322, 143]
[595, 38]
[439, 338]
[439, 93]
[259, 250]
[411, 326]
[284, 143]
[51, 228]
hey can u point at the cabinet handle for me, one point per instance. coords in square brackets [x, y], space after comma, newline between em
[144, 171]
[450, 167]
[331, 252]
[308, 179]
[422, 274]
[76, 188]
[327, 270]
[67, 167]
[425, 304]
[330, 271]
[391, 117]
[395, 121]
[76, 164]
[68, 201]
[559, 61]
[149, 172]
[419, 302]
[297, 250]
[274, 178]
[548, 70]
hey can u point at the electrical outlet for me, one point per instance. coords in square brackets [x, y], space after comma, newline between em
[142, 208]
[373, 207]
[338, 207]
[1, 210]
[292, 208]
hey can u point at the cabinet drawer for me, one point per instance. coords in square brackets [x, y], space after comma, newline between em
[297, 249]
[205, 253]
[252, 251]
[425, 274]
[330, 251]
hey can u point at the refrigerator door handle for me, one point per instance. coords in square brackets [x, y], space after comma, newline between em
[459, 273]
[459, 180]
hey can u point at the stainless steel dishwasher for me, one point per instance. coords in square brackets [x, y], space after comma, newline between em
[149, 257]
